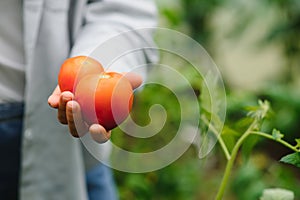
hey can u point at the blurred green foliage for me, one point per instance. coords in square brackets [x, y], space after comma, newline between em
[187, 178]
[197, 14]
[194, 16]
[286, 32]
[177, 181]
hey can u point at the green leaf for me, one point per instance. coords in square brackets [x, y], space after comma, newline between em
[230, 137]
[293, 159]
[248, 145]
[231, 132]
[277, 194]
[212, 96]
[277, 135]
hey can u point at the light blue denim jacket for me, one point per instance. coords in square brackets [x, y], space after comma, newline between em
[53, 165]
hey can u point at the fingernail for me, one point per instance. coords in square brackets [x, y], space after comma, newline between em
[72, 106]
[66, 98]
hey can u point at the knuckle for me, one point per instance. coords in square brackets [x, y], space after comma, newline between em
[62, 119]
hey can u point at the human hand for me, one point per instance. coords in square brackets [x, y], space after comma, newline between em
[69, 113]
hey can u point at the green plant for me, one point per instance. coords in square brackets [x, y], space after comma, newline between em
[253, 124]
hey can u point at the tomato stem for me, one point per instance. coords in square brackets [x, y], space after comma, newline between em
[230, 162]
[236, 148]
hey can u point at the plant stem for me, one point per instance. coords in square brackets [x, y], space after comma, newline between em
[220, 140]
[268, 136]
[230, 162]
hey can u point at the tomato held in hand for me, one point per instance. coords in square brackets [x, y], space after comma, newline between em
[105, 99]
[75, 68]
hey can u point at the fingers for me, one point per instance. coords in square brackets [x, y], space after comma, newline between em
[53, 99]
[61, 112]
[99, 134]
[134, 79]
[77, 126]
[68, 112]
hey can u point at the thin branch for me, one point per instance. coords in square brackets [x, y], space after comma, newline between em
[283, 142]
[220, 140]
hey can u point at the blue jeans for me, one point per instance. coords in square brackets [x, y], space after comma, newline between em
[10, 149]
[100, 184]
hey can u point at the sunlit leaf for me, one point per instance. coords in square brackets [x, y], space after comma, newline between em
[298, 143]
[293, 159]
[229, 131]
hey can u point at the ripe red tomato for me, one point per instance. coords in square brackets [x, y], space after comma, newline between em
[75, 68]
[105, 98]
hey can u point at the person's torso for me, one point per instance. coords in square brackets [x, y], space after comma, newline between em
[12, 61]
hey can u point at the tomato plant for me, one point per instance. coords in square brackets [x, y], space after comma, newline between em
[256, 116]
[75, 68]
[105, 98]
